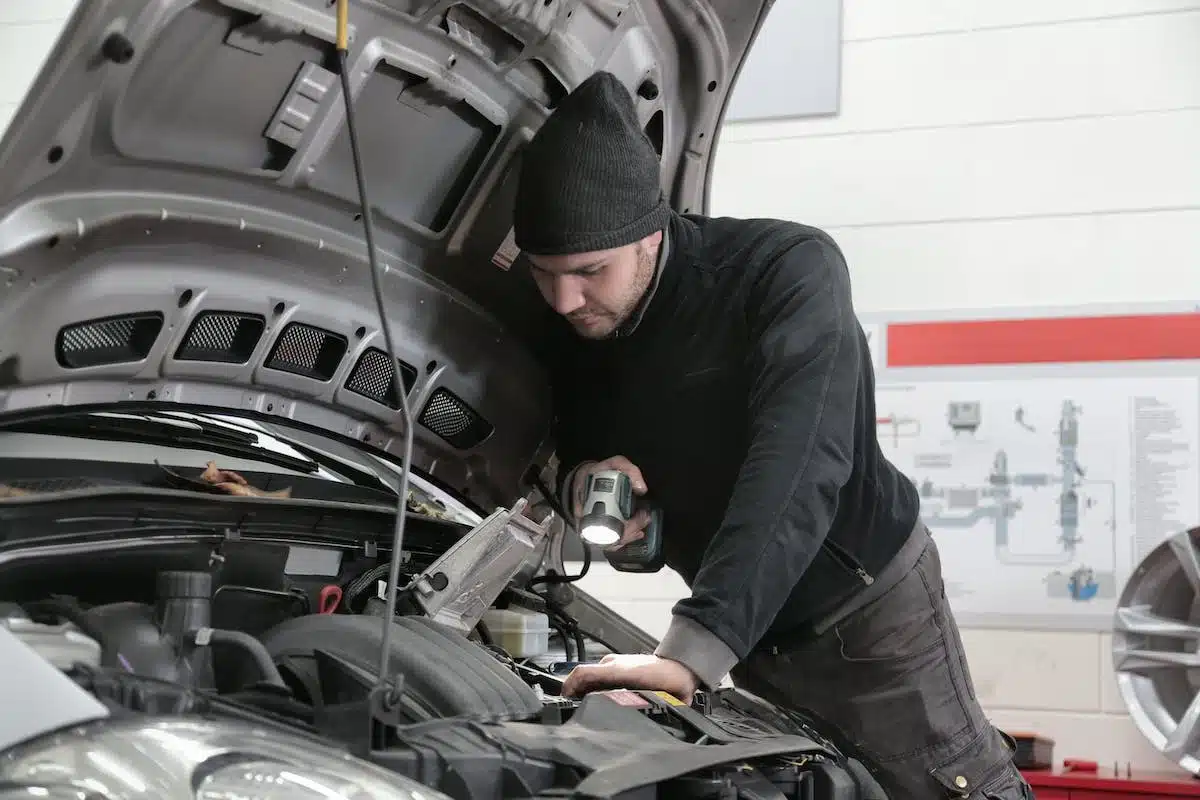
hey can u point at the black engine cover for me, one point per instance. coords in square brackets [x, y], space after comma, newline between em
[444, 674]
[470, 727]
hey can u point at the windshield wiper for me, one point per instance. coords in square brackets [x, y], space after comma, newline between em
[183, 433]
[357, 475]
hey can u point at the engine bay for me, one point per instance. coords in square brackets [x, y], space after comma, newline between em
[226, 624]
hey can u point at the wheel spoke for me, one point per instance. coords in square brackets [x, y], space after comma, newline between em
[1183, 740]
[1140, 620]
[1184, 548]
[1142, 661]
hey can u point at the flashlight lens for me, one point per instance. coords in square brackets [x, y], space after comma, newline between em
[599, 535]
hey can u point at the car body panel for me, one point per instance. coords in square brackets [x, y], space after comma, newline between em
[179, 221]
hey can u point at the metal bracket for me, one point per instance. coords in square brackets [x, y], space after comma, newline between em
[461, 585]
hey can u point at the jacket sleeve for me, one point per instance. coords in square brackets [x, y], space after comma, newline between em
[804, 369]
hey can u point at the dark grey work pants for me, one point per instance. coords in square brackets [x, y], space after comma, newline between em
[891, 678]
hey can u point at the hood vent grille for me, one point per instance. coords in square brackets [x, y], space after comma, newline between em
[226, 337]
[305, 350]
[109, 340]
[452, 419]
[374, 378]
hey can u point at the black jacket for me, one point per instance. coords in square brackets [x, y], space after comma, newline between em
[746, 396]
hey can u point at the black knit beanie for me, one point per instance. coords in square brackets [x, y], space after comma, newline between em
[589, 179]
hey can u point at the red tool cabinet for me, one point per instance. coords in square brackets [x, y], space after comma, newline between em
[1104, 784]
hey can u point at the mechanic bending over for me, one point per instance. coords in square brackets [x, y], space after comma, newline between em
[720, 364]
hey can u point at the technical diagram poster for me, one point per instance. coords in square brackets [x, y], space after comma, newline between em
[1052, 449]
[1043, 493]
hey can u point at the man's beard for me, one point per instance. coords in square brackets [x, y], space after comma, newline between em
[609, 323]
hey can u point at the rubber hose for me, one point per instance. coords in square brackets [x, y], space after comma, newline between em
[247, 643]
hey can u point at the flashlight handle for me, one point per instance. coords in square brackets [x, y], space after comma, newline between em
[643, 555]
[610, 483]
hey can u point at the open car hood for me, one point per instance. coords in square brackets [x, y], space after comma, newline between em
[179, 220]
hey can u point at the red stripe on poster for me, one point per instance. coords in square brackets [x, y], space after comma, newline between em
[1142, 337]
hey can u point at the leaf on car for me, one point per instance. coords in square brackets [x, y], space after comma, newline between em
[231, 482]
[220, 481]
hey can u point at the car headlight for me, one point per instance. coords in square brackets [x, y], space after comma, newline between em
[196, 759]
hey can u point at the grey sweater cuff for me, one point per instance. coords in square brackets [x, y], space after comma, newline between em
[698, 649]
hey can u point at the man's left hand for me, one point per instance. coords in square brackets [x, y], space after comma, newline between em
[633, 672]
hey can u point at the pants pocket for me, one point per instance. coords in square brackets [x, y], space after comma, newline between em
[984, 770]
[903, 624]
[898, 659]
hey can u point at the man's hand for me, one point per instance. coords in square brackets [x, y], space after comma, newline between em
[632, 672]
[635, 526]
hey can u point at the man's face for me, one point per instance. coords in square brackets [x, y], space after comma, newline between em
[597, 291]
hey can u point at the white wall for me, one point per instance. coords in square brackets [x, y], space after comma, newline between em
[987, 148]
[987, 154]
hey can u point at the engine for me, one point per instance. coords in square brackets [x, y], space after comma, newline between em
[458, 712]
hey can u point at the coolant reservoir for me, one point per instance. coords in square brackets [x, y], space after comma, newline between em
[522, 633]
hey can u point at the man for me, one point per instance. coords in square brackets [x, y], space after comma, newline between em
[719, 363]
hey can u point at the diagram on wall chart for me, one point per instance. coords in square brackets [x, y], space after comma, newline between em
[1040, 493]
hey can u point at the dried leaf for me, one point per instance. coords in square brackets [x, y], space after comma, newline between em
[232, 483]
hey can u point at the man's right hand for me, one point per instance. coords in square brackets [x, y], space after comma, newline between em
[635, 527]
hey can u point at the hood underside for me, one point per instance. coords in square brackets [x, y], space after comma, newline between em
[179, 219]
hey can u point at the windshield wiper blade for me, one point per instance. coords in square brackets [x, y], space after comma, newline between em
[357, 475]
[183, 433]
